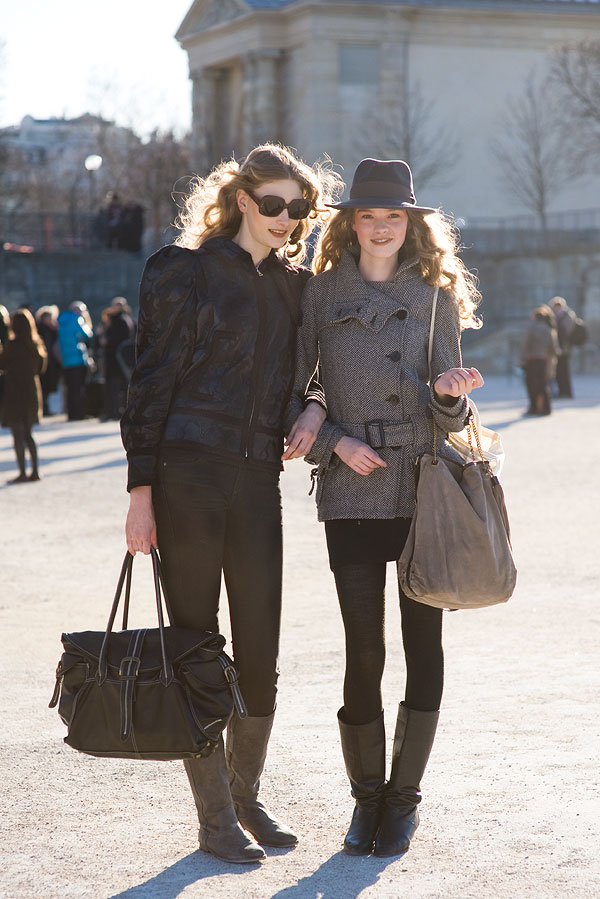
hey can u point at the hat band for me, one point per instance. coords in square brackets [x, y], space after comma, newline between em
[382, 189]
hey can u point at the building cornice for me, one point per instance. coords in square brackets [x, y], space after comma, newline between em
[204, 15]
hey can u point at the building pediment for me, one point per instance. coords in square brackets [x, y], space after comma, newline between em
[204, 14]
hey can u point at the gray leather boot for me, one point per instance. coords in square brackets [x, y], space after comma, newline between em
[220, 832]
[415, 732]
[363, 747]
[247, 741]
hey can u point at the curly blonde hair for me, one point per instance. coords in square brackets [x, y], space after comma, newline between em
[211, 210]
[431, 237]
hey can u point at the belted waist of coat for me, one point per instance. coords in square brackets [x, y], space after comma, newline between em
[379, 432]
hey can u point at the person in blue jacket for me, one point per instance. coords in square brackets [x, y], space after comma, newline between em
[74, 334]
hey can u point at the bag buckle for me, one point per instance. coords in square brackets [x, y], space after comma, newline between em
[378, 423]
[126, 661]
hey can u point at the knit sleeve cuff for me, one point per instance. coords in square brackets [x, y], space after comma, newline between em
[449, 418]
[327, 439]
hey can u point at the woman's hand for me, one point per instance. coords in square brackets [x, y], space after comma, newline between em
[456, 382]
[361, 457]
[140, 527]
[304, 431]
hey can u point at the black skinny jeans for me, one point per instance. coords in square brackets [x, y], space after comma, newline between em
[361, 593]
[217, 516]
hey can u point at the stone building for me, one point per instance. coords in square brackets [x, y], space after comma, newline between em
[385, 78]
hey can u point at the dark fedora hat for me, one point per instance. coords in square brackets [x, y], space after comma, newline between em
[382, 184]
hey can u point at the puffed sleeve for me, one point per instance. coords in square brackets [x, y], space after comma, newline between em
[305, 381]
[165, 341]
[446, 355]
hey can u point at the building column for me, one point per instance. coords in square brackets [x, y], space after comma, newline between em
[204, 119]
[261, 119]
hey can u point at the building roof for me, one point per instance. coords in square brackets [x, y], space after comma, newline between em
[520, 4]
[490, 4]
[206, 13]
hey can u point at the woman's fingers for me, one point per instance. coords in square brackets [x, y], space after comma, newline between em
[477, 377]
[298, 444]
[140, 528]
[458, 381]
[365, 460]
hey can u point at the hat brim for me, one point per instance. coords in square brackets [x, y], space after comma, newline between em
[379, 203]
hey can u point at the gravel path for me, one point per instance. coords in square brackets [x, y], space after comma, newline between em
[510, 796]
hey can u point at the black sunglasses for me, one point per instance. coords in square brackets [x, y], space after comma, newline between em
[273, 206]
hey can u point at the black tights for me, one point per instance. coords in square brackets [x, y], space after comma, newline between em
[23, 438]
[361, 592]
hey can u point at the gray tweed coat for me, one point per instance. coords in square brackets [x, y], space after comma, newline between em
[370, 340]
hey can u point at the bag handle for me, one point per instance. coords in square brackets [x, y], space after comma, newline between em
[126, 570]
[470, 425]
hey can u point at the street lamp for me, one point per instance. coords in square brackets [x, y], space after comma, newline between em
[92, 163]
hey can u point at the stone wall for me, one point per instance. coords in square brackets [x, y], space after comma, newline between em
[36, 279]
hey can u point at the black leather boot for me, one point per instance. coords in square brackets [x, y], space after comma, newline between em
[247, 741]
[363, 747]
[220, 832]
[415, 732]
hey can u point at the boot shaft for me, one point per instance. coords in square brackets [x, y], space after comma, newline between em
[413, 741]
[209, 781]
[363, 748]
[246, 752]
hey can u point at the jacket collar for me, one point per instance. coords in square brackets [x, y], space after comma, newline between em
[232, 251]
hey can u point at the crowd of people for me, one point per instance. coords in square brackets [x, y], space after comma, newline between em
[546, 354]
[57, 361]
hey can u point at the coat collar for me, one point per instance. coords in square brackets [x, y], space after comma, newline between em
[371, 302]
[232, 251]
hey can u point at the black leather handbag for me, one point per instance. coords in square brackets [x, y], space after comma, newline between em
[154, 693]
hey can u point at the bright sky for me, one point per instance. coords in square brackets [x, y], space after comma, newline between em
[114, 57]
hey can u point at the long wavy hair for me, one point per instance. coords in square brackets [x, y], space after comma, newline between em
[25, 332]
[431, 237]
[210, 209]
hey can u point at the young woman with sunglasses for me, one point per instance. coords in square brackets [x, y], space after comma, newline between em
[203, 430]
[366, 319]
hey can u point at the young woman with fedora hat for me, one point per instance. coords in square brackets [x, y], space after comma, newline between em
[366, 318]
[203, 430]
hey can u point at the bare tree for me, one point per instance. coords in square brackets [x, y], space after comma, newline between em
[531, 151]
[575, 70]
[161, 166]
[414, 131]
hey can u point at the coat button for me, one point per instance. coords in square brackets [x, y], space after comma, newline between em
[401, 314]
[393, 399]
[395, 356]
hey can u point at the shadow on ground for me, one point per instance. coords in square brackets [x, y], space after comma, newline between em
[324, 883]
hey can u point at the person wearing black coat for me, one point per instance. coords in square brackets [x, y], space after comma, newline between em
[120, 328]
[47, 324]
[203, 430]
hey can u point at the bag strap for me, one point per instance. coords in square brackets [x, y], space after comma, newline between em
[432, 328]
[429, 357]
[167, 669]
[470, 423]
[128, 672]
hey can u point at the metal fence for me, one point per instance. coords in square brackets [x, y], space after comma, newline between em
[47, 231]
[577, 230]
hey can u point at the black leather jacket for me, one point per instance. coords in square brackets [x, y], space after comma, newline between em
[215, 356]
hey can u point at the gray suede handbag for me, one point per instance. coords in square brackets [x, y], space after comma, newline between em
[458, 553]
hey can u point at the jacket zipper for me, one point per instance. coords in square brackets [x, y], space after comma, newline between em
[257, 369]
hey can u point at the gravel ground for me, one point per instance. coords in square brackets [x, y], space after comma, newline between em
[510, 796]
